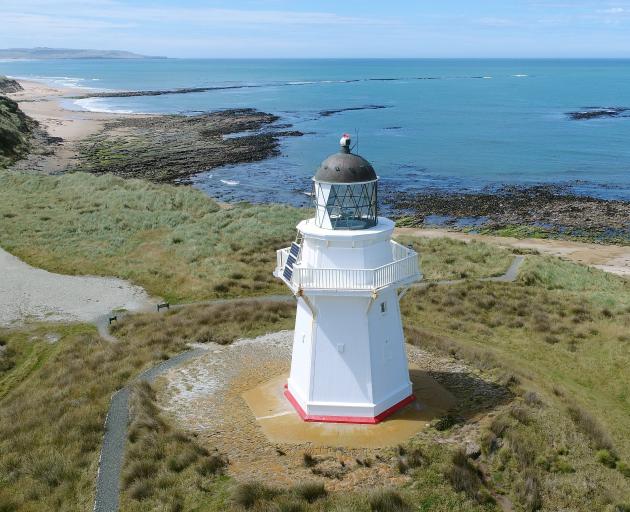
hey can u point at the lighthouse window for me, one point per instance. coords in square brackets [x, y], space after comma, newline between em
[383, 307]
[348, 205]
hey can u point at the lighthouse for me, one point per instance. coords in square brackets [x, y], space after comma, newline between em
[348, 363]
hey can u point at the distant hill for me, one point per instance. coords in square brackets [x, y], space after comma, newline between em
[68, 53]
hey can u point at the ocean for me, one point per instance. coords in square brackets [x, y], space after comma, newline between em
[455, 125]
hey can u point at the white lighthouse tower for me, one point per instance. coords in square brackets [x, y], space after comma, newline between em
[349, 363]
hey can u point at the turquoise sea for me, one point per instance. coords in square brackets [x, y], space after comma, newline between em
[461, 125]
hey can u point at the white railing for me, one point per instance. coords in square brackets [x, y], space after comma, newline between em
[403, 268]
[281, 258]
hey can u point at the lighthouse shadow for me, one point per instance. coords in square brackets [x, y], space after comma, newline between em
[457, 395]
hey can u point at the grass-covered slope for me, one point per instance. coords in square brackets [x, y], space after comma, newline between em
[55, 386]
[174, 241]
[443, 258]
[563, 331]
[15, 128]
[8, 85]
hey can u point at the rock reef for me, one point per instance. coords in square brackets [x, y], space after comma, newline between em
[547, 207]
[598, 112]
[171, 148]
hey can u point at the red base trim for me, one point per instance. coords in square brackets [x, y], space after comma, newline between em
[360, 420]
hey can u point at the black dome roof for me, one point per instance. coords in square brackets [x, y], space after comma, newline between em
[345, 167]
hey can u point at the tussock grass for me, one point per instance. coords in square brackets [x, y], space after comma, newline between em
[465, 477]
[310, 491]
[444, 258]
[163, 466]
[174, 241]
[217, 323]
[591, 427]
[388, 500]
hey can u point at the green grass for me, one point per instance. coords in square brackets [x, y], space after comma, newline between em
[443, 258]
[562, 330]
[174, 241]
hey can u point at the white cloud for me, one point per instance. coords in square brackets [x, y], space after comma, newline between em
[107, 9]
[613, 10]
[496, 22]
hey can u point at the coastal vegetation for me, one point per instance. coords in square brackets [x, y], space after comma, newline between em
[8, 85]
[175, 241]
[559, 336]
[556, 342]
[443, 258]
[15, 129]
[58, 380]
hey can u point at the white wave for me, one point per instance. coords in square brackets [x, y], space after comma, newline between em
[520, 76]
[487, 77]
[301, 83]
[99, 105]
[230, 182]
[71, 82]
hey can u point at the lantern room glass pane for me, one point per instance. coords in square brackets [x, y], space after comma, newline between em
[349, 206]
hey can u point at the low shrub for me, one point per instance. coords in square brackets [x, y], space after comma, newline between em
[529, 492]
[464, 477]
[249, 494]
[212, 465]
[308, 460]
[590, 427]
[607, 458]
[387, 500]
[310, 491]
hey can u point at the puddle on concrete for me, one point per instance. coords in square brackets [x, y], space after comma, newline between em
[281, 424]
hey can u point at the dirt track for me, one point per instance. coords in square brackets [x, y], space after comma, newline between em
[610, 258]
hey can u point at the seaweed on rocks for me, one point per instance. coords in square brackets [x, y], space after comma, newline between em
[171, 148]
[549, 207]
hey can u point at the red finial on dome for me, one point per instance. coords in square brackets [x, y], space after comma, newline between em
[345, 142]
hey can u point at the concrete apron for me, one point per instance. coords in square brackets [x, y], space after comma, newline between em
[280, 422]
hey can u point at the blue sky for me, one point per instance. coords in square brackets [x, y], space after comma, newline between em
[350, 28]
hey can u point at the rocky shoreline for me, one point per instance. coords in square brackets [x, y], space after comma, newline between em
[172, 148]
[545, 210]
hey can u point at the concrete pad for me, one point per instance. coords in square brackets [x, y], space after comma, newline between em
[280, 422]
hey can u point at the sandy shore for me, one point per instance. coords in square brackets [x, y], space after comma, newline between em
[44, 104]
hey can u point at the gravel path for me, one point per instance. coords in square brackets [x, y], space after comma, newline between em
[113, 450]
[28, 293]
